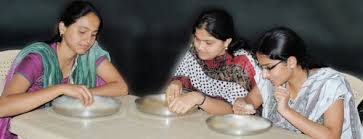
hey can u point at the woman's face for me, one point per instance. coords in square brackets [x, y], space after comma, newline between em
[81, 35]
[207, 46]
[274, 70]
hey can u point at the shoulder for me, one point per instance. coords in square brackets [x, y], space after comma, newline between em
[333, 82]
[245, 58]
[30, 66]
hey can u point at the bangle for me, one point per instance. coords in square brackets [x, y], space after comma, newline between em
[204, 97]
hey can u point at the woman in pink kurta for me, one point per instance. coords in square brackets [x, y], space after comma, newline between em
[72, 64]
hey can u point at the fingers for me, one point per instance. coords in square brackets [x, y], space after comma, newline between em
[281, 94]
[241, 107]
[176, 92]
[178, 107]
[88, 96]
[172, 92]
[172, 106]
[80, 92]
[169, 95]
[281, 89]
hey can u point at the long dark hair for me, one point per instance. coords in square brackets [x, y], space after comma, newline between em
[281, 42]
[74, 11]
[219, 24]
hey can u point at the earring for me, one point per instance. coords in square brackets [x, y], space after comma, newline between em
[226, 48]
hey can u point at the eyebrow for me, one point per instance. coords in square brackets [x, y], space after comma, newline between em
[88, 28]
[201, 39]
[266, 65]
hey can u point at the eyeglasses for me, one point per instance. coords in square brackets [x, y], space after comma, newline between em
[272, 67]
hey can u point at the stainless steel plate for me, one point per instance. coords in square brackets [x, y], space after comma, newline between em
[102, 106]
[232, 124]
[156, 105]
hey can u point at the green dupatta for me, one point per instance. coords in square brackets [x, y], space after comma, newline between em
[83, 71]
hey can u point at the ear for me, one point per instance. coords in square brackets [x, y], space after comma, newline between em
[227, 42]
[62, 28]
[291, 62]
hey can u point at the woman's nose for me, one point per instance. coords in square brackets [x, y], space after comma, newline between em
[88, 39]
[202, 46]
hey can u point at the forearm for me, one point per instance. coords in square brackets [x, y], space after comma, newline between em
[216, 106]
[254, 97]
[115, 88]
[11, 105]
[309, 127]
[254, 101]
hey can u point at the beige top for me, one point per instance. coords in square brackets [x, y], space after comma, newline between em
[128, 123]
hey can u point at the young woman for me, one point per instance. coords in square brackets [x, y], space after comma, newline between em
[215, 70]
[73, 64]
[308, 98]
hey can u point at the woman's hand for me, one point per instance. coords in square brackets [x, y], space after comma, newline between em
[173, 90]
[185, 102]
[282, 96]
[241, 107]
[80, 92]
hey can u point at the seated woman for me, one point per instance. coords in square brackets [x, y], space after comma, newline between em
[73, 65]
[215, 70]
[308, 98]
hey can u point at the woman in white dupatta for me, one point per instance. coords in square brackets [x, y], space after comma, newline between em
[308, 98]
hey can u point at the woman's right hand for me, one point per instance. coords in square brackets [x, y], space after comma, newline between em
[241, 107]
[80, 92]
[173, 90]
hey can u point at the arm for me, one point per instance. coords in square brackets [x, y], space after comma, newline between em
[184, 102]
[215, 106]
[254, 97]
[115, 84]
[15, 101]
[331, 128]
[181, 103]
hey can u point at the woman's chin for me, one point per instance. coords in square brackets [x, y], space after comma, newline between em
[203, 57]
[82, 51]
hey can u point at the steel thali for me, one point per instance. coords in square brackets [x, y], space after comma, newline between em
[232, 124]
[102, 106]
[156, 105]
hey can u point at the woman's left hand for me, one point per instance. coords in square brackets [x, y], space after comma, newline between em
[282, 97]
[185, 102]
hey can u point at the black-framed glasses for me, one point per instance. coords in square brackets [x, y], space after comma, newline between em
[272, 67]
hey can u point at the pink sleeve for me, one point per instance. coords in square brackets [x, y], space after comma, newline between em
[100, 60]
[30, 67]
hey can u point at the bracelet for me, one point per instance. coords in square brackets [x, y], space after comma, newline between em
[204, 98]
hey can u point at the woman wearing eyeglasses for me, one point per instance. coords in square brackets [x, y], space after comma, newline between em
[308, 98]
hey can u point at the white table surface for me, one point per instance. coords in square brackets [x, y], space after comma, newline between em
[128, 123]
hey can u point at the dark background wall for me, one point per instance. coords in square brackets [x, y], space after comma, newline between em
[147, 37]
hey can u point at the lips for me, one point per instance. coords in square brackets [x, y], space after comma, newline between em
[83, 46]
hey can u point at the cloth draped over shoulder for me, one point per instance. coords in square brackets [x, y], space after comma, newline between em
[317, 94]
[83, 71]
